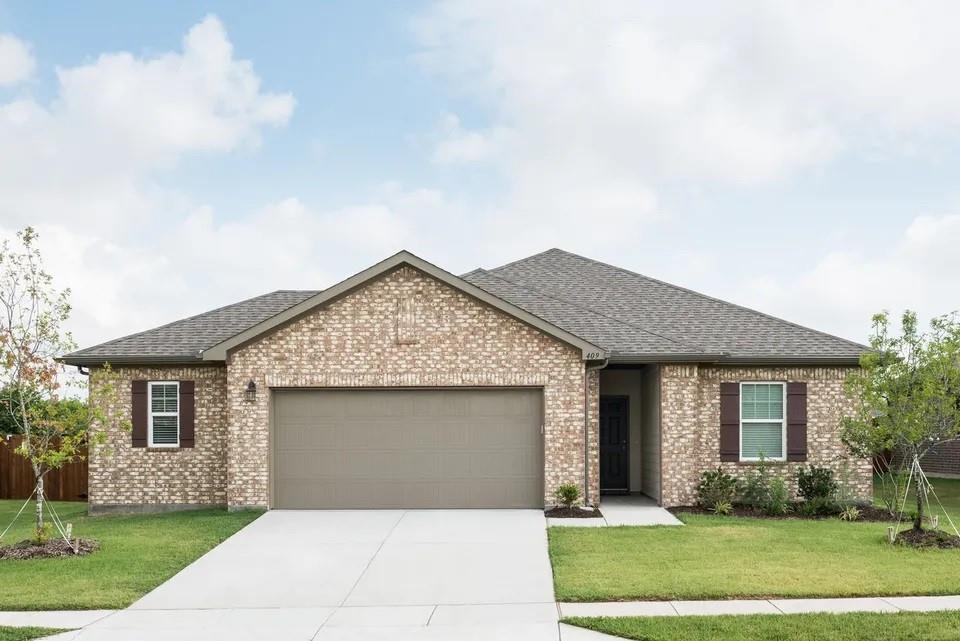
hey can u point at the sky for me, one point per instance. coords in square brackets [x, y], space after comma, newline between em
[800, 159]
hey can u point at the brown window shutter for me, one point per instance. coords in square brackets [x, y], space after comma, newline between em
[187, 413]
[729, 421]
[138, 401]
[796, 421]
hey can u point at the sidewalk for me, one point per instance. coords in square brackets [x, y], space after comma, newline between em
[759, 606]
[535, 621]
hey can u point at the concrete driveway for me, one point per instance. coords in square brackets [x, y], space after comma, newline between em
[418, 574]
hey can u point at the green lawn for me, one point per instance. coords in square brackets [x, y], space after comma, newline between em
[24, 634]
[947, 490]
[727, 557]
[902, 626]
[137, 553]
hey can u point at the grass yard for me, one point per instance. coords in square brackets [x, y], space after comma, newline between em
[24, 634]
[728, 557]
[137, 553]
[902, 626]
[947, 490]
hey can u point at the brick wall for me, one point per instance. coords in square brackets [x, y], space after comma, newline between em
[690, 423]
[406, 329]
[121, 475]
[943, 459]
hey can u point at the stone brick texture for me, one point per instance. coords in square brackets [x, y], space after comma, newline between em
[405, 329]
[122, 475]
[690, 423]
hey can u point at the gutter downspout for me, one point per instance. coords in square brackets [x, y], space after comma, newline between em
[586, 426]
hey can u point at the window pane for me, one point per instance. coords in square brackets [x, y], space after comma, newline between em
[163, 397]
[165, 430]
[761, 401]
[766, 438]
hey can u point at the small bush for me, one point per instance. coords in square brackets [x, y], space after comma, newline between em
[819, 507]
[816, 483]
[778, 498]
[722, 508]
[567, 494]
[756, 486]
[715, 487]
[850, 513]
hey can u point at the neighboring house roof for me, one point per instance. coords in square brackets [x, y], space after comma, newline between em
[601, 309]
[667, 321]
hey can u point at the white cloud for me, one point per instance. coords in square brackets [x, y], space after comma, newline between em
[91, 152]
[745, 93]
[842, 289]
[459, 145]
[16, 61]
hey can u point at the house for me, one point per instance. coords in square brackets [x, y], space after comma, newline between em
[943, 460]
[407, 386]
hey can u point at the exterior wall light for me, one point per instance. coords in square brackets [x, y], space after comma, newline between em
[250, 393]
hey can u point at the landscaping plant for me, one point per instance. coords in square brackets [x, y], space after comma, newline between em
[567, 494]
[32, 312]
[755, 488]
[850, 513]
[906, 392]
[778, 498]
[816, 483]
[716, 487]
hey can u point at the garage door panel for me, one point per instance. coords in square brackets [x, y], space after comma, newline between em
[409, 448]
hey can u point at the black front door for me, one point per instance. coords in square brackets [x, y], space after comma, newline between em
[614, 444]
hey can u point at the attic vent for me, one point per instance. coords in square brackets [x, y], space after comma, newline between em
[407, 333]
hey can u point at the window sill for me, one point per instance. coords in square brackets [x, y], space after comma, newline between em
[756, 463]
[161, 448]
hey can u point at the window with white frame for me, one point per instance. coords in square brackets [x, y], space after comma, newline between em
[164, 421]
[763, 424]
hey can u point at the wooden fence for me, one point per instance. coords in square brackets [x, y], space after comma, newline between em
[16, 476]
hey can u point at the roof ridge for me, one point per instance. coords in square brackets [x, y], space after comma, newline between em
[183, 320]
[712, 298]
[593, 311]
[520, 260]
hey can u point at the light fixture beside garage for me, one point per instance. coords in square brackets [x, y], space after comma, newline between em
[250, 393]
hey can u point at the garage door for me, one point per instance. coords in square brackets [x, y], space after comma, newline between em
[407, 448]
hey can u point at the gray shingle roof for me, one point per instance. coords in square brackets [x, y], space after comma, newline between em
[182, 340]
[636, 317]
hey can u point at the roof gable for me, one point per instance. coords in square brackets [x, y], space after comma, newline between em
[219, 351]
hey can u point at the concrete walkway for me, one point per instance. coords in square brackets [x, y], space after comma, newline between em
[536, 621]
[759, 606]
[632, 510]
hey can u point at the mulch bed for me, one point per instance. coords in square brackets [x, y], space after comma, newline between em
[867, 513]
[53, 548]
[573, 513]
[928, 539]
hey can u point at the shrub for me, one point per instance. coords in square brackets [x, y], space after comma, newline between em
[816, 483]
[850, 513]
[722, 508]
[715, 487]
[567, 494]
[778, 498]
[821, 506]
[756, 486]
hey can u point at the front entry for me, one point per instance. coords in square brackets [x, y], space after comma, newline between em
[614, 444]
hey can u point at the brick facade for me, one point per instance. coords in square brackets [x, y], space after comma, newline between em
[690, 422]
[122, 475]
[405, 329]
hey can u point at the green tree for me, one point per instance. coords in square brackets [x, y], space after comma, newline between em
[908, 393]
[32, 313]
